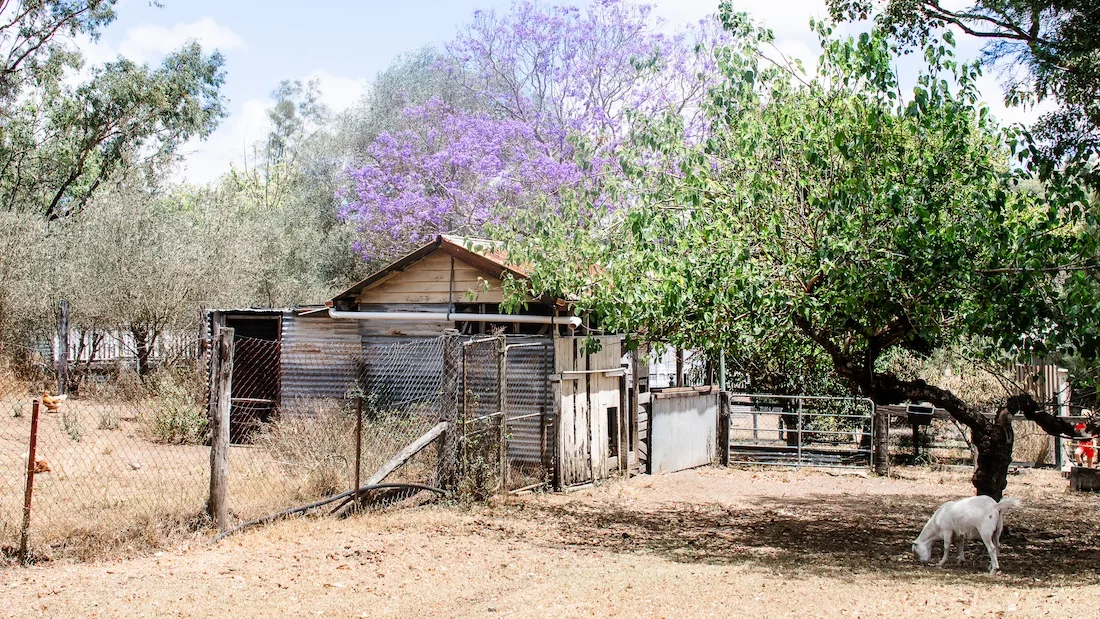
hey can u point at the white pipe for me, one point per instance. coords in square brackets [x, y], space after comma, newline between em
[572, 321]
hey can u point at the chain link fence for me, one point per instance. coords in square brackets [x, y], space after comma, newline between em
[309, 424]
[124, 460]
[120, 459]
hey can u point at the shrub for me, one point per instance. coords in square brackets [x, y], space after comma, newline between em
[109, 419]
[317, 448]
[176, 413]
[70, 422]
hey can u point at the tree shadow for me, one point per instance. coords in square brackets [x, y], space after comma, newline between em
[826, 534]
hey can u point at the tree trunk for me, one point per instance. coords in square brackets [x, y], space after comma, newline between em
[992, 438]
[994, 446]
[141, 343]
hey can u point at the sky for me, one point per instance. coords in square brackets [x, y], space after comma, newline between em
[345, 43]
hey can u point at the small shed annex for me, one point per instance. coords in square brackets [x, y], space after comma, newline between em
[571, 405]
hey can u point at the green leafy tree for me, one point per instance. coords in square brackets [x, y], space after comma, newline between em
[1045, 50]
[833, 209]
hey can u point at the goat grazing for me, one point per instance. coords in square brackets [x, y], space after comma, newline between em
[976, 517]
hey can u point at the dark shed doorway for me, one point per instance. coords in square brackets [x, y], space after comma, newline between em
[256, 373]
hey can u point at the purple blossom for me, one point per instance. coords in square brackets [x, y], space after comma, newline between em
[544, 78]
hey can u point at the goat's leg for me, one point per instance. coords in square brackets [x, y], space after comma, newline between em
[987, 539]
[946, 547]
[962, 547]
[997, 533]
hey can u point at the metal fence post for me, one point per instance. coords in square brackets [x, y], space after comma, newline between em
[502, 388]
[29, 491]
[798, 433]
[221, 387]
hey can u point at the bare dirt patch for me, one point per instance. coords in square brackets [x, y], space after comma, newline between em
[708, 542]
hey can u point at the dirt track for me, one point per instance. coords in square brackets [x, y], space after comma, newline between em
[700, 543]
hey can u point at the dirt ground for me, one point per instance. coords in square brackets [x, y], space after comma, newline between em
[738, 543]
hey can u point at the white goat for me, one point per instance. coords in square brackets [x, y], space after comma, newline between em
[971, 518]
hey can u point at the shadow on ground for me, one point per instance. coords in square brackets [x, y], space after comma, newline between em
[820, 534]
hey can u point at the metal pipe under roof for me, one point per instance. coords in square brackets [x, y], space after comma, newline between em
[572, 321]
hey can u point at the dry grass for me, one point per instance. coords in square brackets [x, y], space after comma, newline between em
[704, 543]
[112, 491]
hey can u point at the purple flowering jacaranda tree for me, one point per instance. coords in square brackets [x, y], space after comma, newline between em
[554, 88]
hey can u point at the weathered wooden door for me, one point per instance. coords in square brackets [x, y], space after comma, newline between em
[586, 395]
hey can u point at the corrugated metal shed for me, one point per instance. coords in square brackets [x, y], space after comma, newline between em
[399, 372]
[320, 357]
[529, 400]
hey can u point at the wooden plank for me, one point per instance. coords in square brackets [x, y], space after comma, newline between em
[460, 286]
[493, 296]
[405, 454]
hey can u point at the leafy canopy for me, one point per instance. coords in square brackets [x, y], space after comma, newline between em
[834, 208]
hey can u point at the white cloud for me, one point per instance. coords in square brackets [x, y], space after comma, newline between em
[148, 42]
[789, 19]
[232, 142]
[338, 92]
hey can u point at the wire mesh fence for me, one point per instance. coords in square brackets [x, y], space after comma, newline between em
[125, 459]
[482, 456]
[529, 421]
[120, 458]
[297, 417]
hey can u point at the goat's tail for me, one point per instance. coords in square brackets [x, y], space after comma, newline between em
[1008, 503]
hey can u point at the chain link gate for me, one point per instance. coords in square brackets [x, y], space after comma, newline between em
[482, 454]
[811, 431]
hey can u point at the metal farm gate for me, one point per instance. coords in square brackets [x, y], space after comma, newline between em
[814, 431]
[507, 415]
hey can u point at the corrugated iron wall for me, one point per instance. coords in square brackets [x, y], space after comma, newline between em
[320, 358]
[529, 400]
[398, 371]
[683, 426]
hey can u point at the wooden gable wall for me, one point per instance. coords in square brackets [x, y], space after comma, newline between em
[429, 282]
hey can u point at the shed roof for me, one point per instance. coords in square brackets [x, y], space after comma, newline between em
[482, 254]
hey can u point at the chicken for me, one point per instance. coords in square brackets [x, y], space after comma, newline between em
[40, 465]
[53, 402]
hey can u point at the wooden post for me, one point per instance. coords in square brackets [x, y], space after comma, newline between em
[724, 428]
[623, 424]
[221, 393]
[637, 359]
[63, 349]
[559, 427]
[28, 492]
[679, 367]
[880, 440]
[502, 388]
